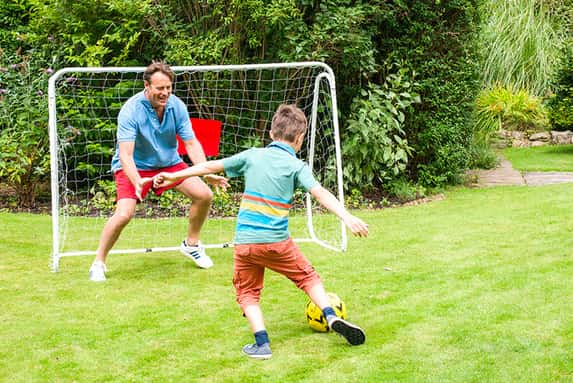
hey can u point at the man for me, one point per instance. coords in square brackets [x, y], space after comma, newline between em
[148, 124]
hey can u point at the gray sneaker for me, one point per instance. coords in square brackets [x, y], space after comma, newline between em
[97, 272]
[197, 254]
[258, 352]
[353, 334]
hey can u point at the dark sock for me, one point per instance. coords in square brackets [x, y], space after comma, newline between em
[327, 311]
[261, 337]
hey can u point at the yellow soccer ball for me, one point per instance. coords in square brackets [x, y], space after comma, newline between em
[314, 316]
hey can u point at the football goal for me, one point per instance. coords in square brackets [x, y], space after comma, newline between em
[230, 106]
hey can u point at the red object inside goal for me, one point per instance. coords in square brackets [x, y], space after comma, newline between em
[208, 132]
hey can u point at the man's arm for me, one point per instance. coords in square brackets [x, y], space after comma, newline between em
[128, 165]
[329, 201]
[195, 151]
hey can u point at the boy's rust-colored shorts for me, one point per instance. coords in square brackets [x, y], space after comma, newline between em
[282, 257]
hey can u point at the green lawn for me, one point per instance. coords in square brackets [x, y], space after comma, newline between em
[553, 158]
[473, 288]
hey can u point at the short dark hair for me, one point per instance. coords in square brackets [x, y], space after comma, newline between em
[158, 66]
[288, 123]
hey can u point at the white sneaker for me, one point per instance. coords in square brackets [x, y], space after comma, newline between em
[352, 333]
[97, 272]
[197, 254]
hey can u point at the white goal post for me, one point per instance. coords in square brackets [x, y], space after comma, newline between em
[232, 104]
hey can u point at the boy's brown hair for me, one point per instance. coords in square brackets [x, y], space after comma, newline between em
[158, 66]
[288, 123]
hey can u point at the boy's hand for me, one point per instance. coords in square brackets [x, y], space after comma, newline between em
[357, 226]
[163, 179]
[217, 181]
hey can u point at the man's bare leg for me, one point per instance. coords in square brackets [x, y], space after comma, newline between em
[201, 195]
[124, 211]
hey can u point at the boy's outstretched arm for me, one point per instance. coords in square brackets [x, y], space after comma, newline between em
[204, 168]
[328, 200]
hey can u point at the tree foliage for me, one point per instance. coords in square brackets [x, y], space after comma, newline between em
[369, 45]
[436, 40]
[561, 101]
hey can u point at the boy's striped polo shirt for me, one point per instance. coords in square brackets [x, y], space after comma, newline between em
[271, 176]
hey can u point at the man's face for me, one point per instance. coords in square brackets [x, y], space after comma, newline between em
[158, 90]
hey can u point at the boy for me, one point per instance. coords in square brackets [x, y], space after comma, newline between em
[262, 239]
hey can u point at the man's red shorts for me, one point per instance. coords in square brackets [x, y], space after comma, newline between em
[125, 188]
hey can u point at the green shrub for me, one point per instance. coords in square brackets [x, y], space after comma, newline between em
[354, 199]
[561, 102]
[483, 156]
[501, 108]
[448, 151]
[375, 149]
[103, 200]
[14, 17]
[437, 40]
[24, 158]
[405, 191]
[97, 33]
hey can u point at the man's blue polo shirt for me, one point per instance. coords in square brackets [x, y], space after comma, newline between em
[155, 143]
[271, 176]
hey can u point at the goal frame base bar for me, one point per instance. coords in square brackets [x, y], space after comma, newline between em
[56, 258]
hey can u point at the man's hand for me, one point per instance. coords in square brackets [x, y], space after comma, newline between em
[217, 181]
[139, 186]
[163, 179]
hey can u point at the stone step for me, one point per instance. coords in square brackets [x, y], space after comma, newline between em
[505, 174]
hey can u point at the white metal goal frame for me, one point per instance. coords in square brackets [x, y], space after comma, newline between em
[324, 75]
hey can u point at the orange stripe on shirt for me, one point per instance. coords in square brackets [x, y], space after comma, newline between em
[268, 202]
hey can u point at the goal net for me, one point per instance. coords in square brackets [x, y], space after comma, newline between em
[231, 108]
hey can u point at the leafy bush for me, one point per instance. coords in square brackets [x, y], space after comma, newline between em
[14, 17]
[24, 158]
[437, 40]
[483, 156]
[405, 191]
[342, 34]
[501, 108]
[561, 102]
[89, 132]
[375, 148]
[97, 33]
[103, 199]
[224, 203]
